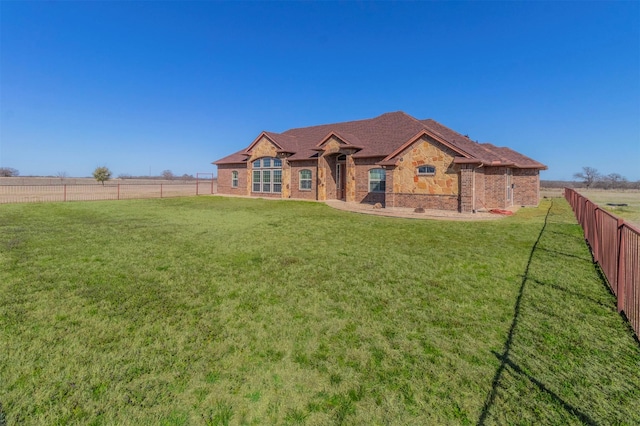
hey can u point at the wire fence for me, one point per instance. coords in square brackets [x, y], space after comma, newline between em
[615, 245]
[109, 191]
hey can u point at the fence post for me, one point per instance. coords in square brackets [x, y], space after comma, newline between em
[118, 191]
[211, 184]
[65, 192]
[160, 190]
[620, 276]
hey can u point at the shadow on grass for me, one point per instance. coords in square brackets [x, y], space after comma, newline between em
[573, 293]
[584, 259]
[505, 360]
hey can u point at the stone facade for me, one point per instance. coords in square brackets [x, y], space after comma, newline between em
[464, 186]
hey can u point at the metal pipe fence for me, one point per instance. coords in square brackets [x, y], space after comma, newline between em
[615, 245]
[94, 192]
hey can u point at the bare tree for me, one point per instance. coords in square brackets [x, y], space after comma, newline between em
[589, 175]
[8, 172]
[614, 180]
[167, 174]
[102, 174]
[62, 175]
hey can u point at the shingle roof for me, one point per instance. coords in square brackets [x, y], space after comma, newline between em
[382, 136]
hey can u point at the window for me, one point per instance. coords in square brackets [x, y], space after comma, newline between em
[305, 180]
[377, 180]
[267, 175]
[234, 179]
[426, 170]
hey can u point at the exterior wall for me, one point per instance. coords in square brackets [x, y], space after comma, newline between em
[264, 148]
[362, 166]
[466, 184]
[426, 201]
[295, 191]
[479, 202]
[495, 183]
[224, 179]
[327, 187]
[426, 151]
[526, 191]
[439, 191]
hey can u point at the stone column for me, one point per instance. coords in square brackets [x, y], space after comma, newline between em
[322, 178]
[350, 183]
[286, 179]
[389, 194]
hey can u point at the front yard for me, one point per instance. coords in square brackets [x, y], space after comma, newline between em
[241, 311]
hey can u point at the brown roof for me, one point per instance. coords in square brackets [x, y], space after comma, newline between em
[385, 136]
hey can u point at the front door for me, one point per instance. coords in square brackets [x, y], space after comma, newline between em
[340, 181]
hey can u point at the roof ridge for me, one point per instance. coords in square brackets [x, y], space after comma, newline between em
[454, 131]
[346, 122]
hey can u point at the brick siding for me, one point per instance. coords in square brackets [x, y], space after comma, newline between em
[224, 179]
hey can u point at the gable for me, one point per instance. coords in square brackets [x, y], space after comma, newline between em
[426, 151]
[263, 147]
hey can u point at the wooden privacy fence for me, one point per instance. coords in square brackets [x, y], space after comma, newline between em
[91, 192]
[615, 245]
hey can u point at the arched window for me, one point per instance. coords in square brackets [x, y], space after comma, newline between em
[267, 175]
[377, 180]
[426, 170]
[305, 180]
[234, 179]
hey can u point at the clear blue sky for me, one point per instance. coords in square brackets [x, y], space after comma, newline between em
[146, 86]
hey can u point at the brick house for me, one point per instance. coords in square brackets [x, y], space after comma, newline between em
[393, 159]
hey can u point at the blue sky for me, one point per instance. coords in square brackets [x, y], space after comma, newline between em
[146, 86]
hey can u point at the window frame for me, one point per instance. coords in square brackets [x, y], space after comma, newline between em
[234, 178]
[381, 183]
[426, 173]
[266, 176]
[301, 180]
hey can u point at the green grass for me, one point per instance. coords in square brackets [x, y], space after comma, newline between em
[630, 197]
[220, 311]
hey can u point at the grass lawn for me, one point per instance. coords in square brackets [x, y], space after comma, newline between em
[222, 311]
[602, 197]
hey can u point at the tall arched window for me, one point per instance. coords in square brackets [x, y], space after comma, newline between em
[267, 175]
[234, 179]
[377, 180]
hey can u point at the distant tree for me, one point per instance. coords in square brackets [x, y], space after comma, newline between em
[187, 177]
[124, 176]
[8, 172]
[588, 176]
[614, 181]
[61, 175]
[167, 174]
[102, 174]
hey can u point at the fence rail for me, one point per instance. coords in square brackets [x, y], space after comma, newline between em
[94, 192]
[615, 245]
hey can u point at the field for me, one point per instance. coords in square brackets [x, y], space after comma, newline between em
[602, 197]
[39, 189]
[212, 310]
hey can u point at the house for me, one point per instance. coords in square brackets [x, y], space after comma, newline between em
[394, 159]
